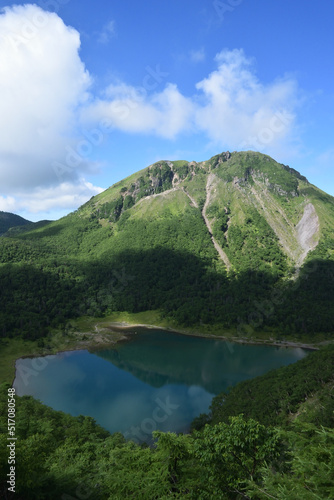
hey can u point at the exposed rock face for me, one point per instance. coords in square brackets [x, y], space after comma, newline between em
[222, 254]
[307, 229]
[271, 186]
[224, 157]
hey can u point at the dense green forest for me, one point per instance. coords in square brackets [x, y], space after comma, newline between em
[39, 291]
[282, 447]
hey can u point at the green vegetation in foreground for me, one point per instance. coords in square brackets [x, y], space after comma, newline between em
[302, 391]
[60, 456]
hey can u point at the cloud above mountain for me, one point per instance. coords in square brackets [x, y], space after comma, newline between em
[230, 106]
[239, 111]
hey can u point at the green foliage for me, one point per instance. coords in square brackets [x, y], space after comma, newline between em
[165, 177]
[272, 398]
[247, 165]
[111, 210]
[166, 263]
[143, 187]
[234, 454]
[52, 449]
[254, 245]
[311, 465]
[128, 202]
[307, 303]
[181, 168]
[221, 217]
[56, 452]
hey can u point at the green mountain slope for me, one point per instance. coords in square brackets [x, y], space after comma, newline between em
[238, 243]
[30, 226]
[8, 220]
[243, 194]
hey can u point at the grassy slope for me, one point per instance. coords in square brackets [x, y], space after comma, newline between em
[284, 211]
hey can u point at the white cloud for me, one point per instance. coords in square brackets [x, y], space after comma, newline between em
[231, 106]
[65, 196]
[197, 56]
[7, 204]
[239, 112]
[130, 109]
[108, 32]
[42, 83]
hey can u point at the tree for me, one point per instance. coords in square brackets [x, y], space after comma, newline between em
[233, 454]
[311, 467]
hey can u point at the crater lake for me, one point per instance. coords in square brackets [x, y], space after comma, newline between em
[155, 380]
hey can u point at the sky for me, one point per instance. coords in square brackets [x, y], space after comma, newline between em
[91, 92]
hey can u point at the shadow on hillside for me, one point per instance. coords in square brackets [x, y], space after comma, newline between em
[30, 226]
[179, 284]
[29, 231]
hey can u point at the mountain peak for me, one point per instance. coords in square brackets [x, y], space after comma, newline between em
[240, 183]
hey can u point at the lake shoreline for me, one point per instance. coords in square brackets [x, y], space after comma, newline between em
[127, 389]
[112, 334]
[123, 327]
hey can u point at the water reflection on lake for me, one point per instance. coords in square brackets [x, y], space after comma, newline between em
[158, 380]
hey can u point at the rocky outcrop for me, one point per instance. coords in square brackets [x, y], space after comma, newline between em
[219, 249]
[308, 230]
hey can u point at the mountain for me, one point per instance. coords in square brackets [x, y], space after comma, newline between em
[238, 244]
[8, 220]
[236, 193]
[29, 226]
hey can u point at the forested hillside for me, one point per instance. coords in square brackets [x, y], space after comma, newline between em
[8, 220]
[238, 243]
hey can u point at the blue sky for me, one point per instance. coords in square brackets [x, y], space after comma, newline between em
[91, 92]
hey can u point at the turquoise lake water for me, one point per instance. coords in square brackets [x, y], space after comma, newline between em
[156, 380]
